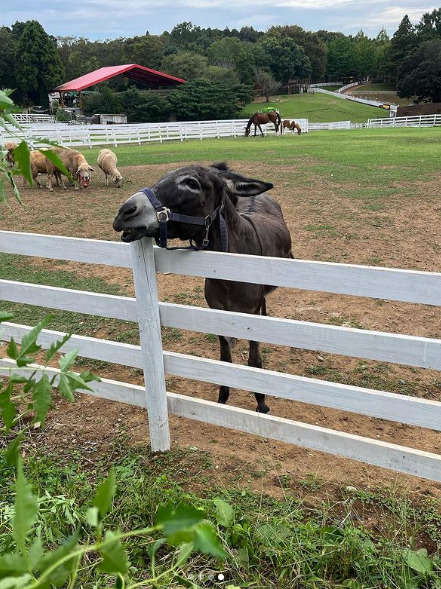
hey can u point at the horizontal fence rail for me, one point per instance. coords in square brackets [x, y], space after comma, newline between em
[91, 136]
[402, 285]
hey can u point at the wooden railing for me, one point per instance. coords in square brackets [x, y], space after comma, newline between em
[145, 260]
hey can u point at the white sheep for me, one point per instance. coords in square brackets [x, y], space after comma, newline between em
[107, 162]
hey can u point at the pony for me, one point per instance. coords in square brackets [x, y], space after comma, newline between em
[218, 210]
[292, 125]
[259, 118]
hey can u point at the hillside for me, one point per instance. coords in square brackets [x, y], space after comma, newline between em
[318, 108]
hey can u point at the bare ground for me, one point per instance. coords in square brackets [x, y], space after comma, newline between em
[325, 225]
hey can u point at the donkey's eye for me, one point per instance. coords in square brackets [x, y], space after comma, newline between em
[192, 183]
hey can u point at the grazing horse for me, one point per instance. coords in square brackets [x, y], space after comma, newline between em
[292, 125]
[260, 118]
[216, 210]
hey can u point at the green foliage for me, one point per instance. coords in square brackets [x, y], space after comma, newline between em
[29, 564]
[206, 100]
[145, 107]
[420, 72]
[30, 402]
[286, 59]
[39, 68]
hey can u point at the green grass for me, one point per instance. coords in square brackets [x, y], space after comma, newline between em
[319, 108]
[276, 544]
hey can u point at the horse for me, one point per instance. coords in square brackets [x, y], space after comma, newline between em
[217, 210]
[292, 125]
[260, 118]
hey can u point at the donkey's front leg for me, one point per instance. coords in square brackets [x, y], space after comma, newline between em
[254, 359]
[225, 356]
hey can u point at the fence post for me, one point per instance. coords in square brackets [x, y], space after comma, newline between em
[144, 276]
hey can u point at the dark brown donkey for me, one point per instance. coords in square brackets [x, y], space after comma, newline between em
[216, 210]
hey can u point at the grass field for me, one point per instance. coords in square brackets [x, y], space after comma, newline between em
[318, 108]
[295, 520]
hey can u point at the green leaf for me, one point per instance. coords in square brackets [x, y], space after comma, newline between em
[8, 410]
[12, 564]
[11, 453]
[104, 494]
[15, 582]
[55, 159]
[28, 341]
[12, 349]
[175, 520]
[114, 555]
[418, 560]
[93, 517]
[76, 382]
[5, 316]
[42, 398]
[224, 513]
[67, 360]
[64, 388]
[55, 347]
[61, 573]
[89, 376]
[23, 160]
[206, 541]
[184, 553]
[26, 509]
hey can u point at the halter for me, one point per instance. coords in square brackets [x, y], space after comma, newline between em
[164, 215]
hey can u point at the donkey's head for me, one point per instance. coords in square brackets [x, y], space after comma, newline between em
[186, 201]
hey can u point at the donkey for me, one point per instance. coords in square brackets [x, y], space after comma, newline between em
[218, 210]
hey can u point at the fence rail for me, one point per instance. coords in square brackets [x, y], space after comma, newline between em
[145, 260]
[414, 121]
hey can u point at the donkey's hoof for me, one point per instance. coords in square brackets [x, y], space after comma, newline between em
[263, 408]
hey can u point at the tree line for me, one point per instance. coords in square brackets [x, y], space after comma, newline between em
[224, 68]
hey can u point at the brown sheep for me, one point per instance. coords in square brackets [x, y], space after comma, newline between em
[75, 163]
[107, 162]
[10, 146]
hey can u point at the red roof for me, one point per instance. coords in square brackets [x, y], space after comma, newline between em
[131, 70]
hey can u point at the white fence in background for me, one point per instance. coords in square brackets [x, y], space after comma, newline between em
[77, 136]
[415, 121]
[382, 283]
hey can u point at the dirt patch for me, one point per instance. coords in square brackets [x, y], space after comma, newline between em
[325, 225]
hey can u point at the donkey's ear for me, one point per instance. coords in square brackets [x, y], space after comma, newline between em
[247, 186]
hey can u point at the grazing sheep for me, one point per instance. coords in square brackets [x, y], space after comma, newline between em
[10, 146]
[107, 162]
[39, 166]
[75, 163]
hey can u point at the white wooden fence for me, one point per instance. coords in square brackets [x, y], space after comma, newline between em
[96, 135]
[414, 121]
[383, 283]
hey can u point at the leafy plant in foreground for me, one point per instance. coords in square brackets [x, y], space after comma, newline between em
[30, 566]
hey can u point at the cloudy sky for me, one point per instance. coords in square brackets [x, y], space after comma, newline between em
[109, 19]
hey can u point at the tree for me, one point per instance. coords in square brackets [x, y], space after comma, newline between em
[186, 65]
[314, 47]
[265, 83]
[429, 26]
[146, 50]
[8, 49]
[420, 73]
[341, 61]
[207, 100]
[286, 59]
[39, 68]
[403, 42]
[240, 56]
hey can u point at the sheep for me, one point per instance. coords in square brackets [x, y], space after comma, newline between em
[107, 162]
[10, 146]
[75, 163]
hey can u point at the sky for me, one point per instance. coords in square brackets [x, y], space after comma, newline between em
[111, 19]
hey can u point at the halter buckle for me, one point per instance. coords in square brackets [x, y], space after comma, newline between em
[163, 215]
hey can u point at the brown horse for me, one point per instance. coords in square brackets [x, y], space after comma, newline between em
[260, 118]
[292, 125]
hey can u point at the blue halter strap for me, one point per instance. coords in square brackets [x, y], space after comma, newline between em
[164, 215]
